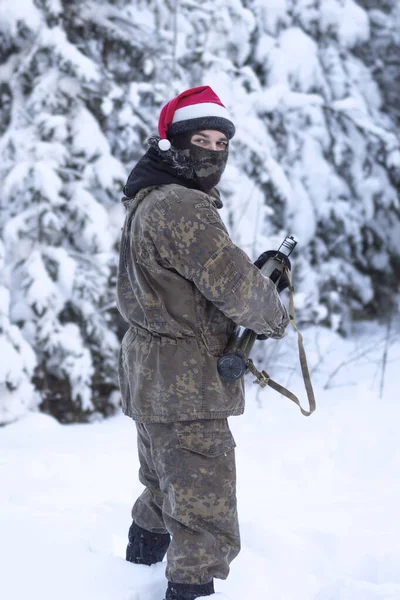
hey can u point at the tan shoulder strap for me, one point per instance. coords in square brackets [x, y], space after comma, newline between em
[263, 379]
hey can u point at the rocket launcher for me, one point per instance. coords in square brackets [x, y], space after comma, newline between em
[236, 361]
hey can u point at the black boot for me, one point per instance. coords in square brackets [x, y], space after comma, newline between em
[186, 591]
[145, 547]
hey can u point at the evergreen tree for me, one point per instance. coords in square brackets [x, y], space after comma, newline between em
[333, 138]
[382, 55]
[60, 181]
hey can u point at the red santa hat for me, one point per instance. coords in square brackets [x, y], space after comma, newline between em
[193, 110]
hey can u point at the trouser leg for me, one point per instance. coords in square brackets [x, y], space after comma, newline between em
[147, 510]
[195, 466]
[148, 537]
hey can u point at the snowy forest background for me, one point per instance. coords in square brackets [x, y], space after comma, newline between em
[313, 88]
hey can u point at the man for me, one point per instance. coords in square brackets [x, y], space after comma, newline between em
[182, 287]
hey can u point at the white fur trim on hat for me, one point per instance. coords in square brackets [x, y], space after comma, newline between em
[203, 109]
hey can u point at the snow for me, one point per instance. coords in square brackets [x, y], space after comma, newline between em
[11, 13]
[301, 214]
[271, 13]
[41, 291]
[87, 135]
[350, 20]
[11, 344]
[94, 232]
[68, 55]
[18, 361]
[17, 178]
[318, 497]
[354, 25]
[300, 65]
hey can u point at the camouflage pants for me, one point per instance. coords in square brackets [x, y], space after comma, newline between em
[189, 472]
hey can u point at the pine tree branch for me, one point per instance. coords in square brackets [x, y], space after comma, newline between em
[354, 358]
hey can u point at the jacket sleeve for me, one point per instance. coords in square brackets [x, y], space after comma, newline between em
[191, 237]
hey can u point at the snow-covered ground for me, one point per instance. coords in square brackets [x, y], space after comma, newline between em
[318, 497]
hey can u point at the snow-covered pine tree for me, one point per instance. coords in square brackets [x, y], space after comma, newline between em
[17, 394]
[60, 184]
[321, 144]
[383, 51]
[382, 55]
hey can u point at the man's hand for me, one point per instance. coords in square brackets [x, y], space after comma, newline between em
[276, 335]
[283, 284]
[262, 259]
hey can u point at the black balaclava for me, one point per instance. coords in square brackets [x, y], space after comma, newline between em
[208, 165]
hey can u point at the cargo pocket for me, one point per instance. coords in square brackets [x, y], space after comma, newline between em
[208, 438]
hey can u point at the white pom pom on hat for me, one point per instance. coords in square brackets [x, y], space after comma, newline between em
[193, 110]
[164, 144]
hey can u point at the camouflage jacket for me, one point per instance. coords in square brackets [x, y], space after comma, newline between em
[182, 287]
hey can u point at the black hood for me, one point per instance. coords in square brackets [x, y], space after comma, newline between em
[155, 168]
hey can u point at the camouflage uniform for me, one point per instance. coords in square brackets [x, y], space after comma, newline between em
[188, 469]
[182, 286]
